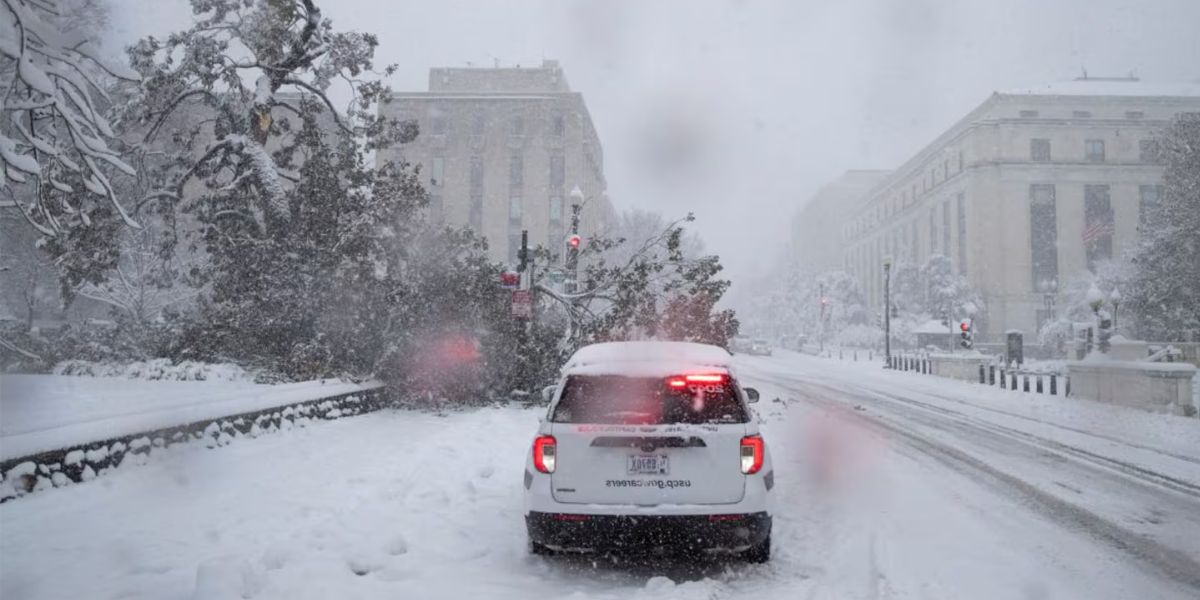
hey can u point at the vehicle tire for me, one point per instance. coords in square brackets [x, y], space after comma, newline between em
[537, 549]
[759, 553]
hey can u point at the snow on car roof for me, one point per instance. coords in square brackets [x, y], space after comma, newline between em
[646, 358]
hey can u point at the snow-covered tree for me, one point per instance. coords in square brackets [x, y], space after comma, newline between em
[237, 68]
[55, 135]
[1164, 294]
[948, 295]
[645, 286]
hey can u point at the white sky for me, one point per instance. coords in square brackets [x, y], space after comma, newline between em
[739, 111]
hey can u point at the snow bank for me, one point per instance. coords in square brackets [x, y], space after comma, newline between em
[50, 412]
[159, 369]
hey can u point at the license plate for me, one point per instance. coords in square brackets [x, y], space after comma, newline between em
[649, 464]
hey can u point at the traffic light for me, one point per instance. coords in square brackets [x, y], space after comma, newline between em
[965, 335]
[574, 241]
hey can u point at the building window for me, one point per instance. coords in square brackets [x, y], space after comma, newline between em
[475, 218]
[932, 230]
[1148, 152]
[1039, 150]
[913, 248]
[946, 228]
[514, 211]
[1097, 224]
[556, 206]
[516, 170]
[477, 174]
[517, 125]
[914, 191]
[437, 168]
[436, 215]
[557, 170]
[1150, 196]
[961, 201]
[960, 161]
[560, 126]
[945, 169]
[1043, 234]
[1029, 114]
[1134, 114]
[1093, 150]
[1081, 114]
[478, 125]
[437, 126]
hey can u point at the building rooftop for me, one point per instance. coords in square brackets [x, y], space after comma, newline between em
[1107, 87]
[546, 78]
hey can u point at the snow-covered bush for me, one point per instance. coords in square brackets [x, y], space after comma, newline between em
[155, 369]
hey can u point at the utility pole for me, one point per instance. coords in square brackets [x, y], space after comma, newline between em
[887, 311]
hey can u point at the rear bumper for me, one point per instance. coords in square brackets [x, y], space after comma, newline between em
[683, 533]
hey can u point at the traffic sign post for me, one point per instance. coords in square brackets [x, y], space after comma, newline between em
[522, 304]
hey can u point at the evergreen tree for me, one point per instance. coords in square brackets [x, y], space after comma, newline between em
[1164, 294]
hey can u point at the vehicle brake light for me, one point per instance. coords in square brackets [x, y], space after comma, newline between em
[545, 448]
[682, 381]
[752, 454]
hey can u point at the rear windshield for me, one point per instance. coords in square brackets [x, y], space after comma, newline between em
[617, 400]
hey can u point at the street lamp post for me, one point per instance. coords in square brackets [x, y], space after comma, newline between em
[821, 322]
[887, 311]
[1115, 298]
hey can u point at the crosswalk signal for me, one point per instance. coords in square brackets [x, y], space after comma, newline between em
[965, 335]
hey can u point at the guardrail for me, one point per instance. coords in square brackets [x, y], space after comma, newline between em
[993, 373]
[82, 462]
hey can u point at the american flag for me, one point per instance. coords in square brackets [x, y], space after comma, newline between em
[1094, 231]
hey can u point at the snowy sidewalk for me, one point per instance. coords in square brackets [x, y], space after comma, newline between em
[48, 412]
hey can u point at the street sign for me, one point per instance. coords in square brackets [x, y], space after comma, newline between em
[510, 279]
[522, 304]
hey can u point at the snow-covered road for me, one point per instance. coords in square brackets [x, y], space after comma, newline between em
[890, 486]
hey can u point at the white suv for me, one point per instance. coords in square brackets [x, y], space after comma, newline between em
[649, 446]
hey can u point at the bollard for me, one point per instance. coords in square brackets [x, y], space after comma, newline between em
[991, 374]
[870, 355]
[1013, 382]
[1053, 384]
[1039, 384]
[1002, 380]
[1025, 387]
[982, 375]
[1066, 386]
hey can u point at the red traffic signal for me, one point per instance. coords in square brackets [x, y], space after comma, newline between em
[964, 326]
[574, 240]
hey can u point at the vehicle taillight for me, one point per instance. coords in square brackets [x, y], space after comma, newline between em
[682, 381]
[752, 454]
[545, 448]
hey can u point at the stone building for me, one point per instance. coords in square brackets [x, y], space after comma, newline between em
[1026, 193]
[501, 149]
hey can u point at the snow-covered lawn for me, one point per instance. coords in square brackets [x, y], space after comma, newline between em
[47, 412]
[402, 504]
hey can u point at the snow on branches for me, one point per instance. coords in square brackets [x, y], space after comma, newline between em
[53, 132]
[241, 66]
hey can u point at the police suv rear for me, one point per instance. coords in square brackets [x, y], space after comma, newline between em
[649, 446]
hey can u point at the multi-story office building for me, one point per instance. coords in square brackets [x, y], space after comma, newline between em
[1025, 194]
[501, 149]
[816, 238]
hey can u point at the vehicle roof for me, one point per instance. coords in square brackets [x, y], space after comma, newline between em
[647, 358]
